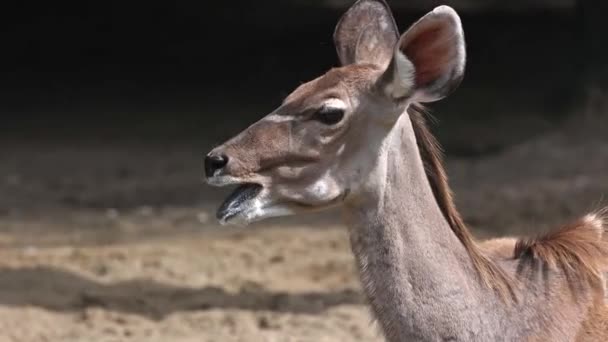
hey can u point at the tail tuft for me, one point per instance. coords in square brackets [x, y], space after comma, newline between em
[578, 249]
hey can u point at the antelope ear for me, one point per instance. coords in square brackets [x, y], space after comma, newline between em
[366, 33]
[429, 59]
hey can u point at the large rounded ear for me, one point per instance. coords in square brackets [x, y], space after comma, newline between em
[429, 59]
[366, 33]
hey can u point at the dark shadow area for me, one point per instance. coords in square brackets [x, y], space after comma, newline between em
[60, 290]
[191, 71]
[114, 106]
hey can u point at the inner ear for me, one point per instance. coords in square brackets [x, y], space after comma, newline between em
[434, 49]
[366, 33]
[429, 58]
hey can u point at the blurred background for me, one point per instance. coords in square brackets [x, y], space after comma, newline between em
[107, 231]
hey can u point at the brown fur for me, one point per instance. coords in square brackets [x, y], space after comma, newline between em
[578, 249]
[499, 248]
[595, 327]
[491, 274]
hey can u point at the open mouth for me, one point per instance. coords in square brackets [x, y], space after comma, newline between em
[238, 201]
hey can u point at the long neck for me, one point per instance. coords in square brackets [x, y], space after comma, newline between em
[416, 273]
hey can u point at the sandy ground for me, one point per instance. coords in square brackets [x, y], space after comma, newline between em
[117, 242]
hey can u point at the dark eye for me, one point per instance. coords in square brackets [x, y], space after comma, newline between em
[329, 115]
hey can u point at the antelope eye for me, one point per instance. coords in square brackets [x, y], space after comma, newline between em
[329, 115]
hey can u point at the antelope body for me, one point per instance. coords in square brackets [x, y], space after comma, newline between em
[356, 137]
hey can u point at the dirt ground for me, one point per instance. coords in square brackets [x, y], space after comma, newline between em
[113, 241]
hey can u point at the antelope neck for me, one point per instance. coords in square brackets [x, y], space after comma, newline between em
[415, 272]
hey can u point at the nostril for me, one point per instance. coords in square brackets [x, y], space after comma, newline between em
[215, 162]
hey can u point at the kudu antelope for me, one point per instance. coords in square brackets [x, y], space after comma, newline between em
[356, 137]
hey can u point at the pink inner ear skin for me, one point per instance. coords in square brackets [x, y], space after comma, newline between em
[431, 51]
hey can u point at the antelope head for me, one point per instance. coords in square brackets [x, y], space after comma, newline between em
[318, 147]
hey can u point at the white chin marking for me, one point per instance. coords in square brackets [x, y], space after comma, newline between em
[259, 209]
[319, 189]
[273, 211]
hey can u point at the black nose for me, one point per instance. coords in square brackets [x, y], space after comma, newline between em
[214, 162]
